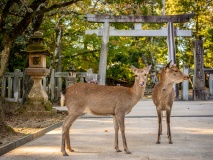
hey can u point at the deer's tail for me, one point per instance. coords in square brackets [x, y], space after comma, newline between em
[62, 98]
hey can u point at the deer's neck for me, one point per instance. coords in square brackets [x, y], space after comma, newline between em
[166, 86]
[137, 91]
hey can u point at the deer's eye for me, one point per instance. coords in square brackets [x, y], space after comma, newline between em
[136, 75]
[144, 74]
[176, 71]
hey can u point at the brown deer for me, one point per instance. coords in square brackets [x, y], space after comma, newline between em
[102, 100]
[163, 95]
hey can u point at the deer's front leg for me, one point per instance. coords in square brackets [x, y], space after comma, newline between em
[159, 112]
[161, 124]
[116, 127]
[120, 120]
[168, 114]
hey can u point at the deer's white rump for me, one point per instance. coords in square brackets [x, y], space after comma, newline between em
[102, 100]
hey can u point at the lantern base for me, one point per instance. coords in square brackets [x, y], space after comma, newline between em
[37, 100]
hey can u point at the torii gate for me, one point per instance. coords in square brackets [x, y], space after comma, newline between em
[105, 32]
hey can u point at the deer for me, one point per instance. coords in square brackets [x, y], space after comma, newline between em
[163, 95]
[95, 99]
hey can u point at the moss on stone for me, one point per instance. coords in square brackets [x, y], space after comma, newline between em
[47, 105]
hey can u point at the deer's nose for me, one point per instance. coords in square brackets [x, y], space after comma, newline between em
[141, 83]
[186, 77]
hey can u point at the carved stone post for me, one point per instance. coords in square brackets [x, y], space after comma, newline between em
[199, 92]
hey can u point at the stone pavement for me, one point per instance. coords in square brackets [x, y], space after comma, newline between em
[93, 137]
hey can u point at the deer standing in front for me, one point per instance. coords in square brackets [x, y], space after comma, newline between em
[102, 100]
[163, 95]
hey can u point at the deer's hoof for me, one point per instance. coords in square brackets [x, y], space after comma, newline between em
[170, 142]
[65, 154]
[157, 142]
[118, 150]
[71, 150]
[127, 151]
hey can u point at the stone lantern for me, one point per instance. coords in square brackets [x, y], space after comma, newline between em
[37, 102]
[71, 79]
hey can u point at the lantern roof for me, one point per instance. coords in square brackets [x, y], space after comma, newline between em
[36, 44]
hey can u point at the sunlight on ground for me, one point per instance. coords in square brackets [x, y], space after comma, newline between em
[39, 149]
[56, 131]
[196, 130]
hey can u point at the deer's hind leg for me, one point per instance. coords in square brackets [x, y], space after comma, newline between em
[116, 127]
[159, 112]
[72, 116]
[67, 139]
[168, 114]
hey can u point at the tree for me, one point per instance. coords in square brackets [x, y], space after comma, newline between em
[201, 26]
[16, 16]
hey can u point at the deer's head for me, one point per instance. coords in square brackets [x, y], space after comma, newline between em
[173, 73]
[141, 75]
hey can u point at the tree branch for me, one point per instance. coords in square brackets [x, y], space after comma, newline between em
[24, 23]
[54, 6]
[5, 12]
[86, 52]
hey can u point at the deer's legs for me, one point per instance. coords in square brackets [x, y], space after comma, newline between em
[120, 120]
[161, 124]
[159, 112]
[67, 138]
[168, 113]
[116, 127]
[65, 132]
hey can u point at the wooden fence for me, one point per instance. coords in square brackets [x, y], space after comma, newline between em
[12, 84]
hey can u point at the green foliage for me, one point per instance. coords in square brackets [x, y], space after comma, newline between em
[18, 58]
[82, 51]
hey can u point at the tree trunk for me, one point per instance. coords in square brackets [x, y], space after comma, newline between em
[4, 128]
[4, 54]
[2, 122]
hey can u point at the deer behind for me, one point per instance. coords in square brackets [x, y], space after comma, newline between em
[163, 95]
[102, 100]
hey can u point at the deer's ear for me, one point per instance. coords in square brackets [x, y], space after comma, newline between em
[169, 65]
[133, 68]
[148, 68]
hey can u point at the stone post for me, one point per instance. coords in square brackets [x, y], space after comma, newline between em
[199, 92]
[185, 85]
[211, 86]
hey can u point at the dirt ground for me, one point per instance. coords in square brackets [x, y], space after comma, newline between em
[24, 126]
